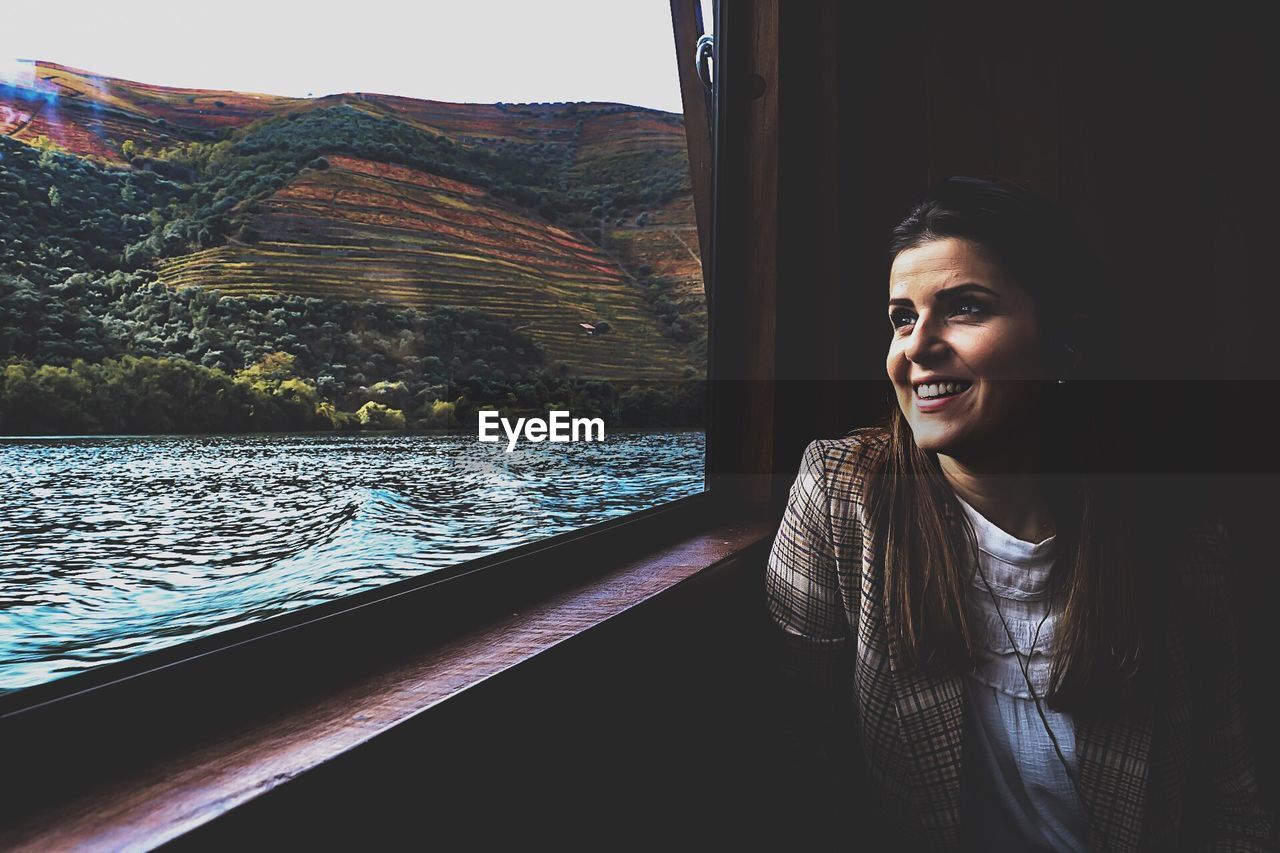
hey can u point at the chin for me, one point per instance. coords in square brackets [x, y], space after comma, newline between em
[931, 443]
[932, 439]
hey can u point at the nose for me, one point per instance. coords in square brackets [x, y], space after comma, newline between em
[925, 343]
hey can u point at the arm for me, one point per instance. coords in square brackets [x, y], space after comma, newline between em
[1234, 819]
[802, 585]
[811, 638]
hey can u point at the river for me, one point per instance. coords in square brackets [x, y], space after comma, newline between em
[114, 546]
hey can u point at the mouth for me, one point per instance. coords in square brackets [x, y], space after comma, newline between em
[931, 397]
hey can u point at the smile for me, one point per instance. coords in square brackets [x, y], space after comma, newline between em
[933, 404]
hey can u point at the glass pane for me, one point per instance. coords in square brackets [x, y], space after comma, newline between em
[258, 287]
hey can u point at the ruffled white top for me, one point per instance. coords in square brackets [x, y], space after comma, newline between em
[1018, 795]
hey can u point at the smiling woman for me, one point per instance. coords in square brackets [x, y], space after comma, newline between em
[1025, 616]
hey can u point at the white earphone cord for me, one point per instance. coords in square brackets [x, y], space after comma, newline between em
[1026, 675]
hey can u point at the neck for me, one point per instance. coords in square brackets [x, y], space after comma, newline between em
[1007, 491]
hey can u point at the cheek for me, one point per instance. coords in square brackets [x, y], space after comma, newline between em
[893, 362]
[1005, 354]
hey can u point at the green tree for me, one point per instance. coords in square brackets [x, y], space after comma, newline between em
[271, 370]
[377, 416]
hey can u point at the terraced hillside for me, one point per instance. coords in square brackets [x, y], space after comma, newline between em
[665, 242]
[366, 230]
[92, 116]
[546, 216]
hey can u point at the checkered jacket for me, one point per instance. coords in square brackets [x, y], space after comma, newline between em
[1181, 778]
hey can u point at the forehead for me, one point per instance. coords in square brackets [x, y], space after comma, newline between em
[943, 263]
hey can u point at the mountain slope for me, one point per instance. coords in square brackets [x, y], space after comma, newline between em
[365, 230]
[543, 215]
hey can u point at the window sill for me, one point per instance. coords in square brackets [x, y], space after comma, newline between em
[192, 785]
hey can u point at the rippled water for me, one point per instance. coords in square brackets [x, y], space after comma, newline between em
[114, 546]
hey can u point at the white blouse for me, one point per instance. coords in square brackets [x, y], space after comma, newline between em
[1017, 794]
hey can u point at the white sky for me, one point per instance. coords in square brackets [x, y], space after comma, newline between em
[470, 51]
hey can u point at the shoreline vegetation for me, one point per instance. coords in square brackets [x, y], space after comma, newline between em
[145, 395]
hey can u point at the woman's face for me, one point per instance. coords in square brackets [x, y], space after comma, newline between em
[957, 316]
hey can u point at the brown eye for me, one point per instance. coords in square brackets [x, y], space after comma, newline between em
[894, 318]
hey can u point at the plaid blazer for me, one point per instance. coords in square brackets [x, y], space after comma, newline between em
[1179, 778]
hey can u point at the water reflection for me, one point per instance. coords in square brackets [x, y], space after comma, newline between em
[114, 546]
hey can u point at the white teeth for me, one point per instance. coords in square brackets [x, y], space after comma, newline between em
[937, 389]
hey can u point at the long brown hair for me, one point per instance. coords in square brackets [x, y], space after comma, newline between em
[1106, 646]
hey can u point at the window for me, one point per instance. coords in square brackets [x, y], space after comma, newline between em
[257, 290]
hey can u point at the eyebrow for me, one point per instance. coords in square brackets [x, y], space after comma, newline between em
[949, 292]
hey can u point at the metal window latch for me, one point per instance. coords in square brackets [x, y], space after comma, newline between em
[705, 57]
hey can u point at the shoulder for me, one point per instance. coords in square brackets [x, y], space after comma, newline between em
[840, 466]
[849, 457]
[854, 450]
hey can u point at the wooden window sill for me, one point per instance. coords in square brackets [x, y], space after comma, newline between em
[166, 798]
